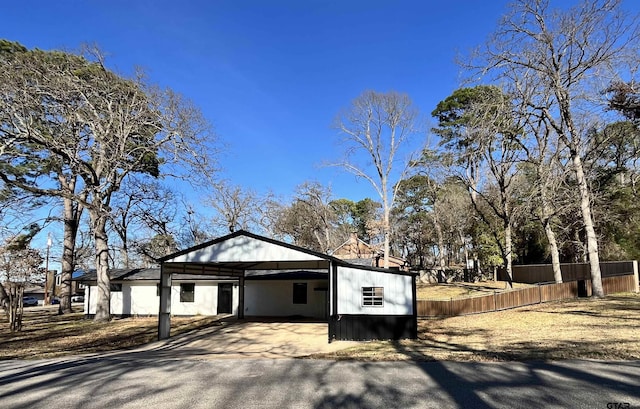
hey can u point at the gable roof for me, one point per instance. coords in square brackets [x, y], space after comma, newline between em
[141, 274]
[239, 254]
[358, 243]
[242, 251]
[248, 251]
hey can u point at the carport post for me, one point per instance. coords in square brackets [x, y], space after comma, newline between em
[164, 315]
[241, 296]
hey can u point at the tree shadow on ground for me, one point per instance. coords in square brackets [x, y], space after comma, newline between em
[471, 384]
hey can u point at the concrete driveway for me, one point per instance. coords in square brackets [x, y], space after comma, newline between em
[264, 338]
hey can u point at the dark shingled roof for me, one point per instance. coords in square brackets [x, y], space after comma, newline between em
[287, 275]
[153, 274]
[142, 274]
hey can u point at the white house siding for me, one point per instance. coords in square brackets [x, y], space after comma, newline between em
[398, 292]
[243, 249]
[274, 298]
[140, 298]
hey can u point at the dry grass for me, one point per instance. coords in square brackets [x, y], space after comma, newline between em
[573, 329]
[456, 290]
[46, 335]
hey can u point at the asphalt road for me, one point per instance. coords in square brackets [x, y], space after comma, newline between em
[146, 381]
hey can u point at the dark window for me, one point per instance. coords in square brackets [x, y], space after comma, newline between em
[372, 296]
[186, 292]
[299, 293]
[115, 288]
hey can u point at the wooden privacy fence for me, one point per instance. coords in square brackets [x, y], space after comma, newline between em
[543, 273]
[519, 297]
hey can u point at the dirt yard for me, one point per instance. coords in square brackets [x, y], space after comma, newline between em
[456, 290]
[45, 334]
[573, 329]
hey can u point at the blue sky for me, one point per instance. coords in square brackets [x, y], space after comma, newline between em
[271, 76]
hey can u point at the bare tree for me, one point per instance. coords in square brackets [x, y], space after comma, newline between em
[25, 161]
[566, 58]
[19, 267]
[376, 129]
[194, 228]
[269, 216]
[310, 219]
[236, 208]
[545, 196]
[142, 205]
[117, 127]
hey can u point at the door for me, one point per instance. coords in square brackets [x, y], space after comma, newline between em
[225, 299]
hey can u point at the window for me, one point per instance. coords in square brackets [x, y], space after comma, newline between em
[187, 291]
[115, 288]
[299, 293]
[372, 296]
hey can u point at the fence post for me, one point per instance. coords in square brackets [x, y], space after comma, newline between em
[539, 294]
[495, 305]
[636, 280]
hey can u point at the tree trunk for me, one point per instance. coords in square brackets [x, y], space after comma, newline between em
[465, 251]
[103, 301]
[4, 299]
[386, 228]
[386, 248]
[508, 245]
[592, 240]
[553, 249]
[551, 238]
[72, 213]
[124, 253]
[440, 237]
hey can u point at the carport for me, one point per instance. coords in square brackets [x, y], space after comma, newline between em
[358, 305]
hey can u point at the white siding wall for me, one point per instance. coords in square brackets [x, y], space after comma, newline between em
[139, 298]
[398, 292]
[268, 298]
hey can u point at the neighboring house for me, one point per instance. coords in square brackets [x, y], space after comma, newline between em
[249, 275]
[36, 291]
[30, 290]
[356, 251]
[77, 287]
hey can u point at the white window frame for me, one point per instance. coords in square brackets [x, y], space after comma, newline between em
[373, 297]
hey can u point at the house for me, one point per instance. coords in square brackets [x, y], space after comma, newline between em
[357, 251]
[35, 290]
[29, 290]
[77, 286]
[135, 292]
[253, 276]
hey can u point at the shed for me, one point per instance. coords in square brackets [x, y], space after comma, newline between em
[359, 302]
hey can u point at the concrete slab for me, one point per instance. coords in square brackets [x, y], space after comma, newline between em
[248, 338]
